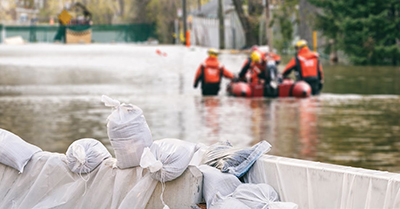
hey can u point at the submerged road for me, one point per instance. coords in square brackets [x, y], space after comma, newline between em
[50, 95]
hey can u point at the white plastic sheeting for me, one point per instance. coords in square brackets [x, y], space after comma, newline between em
[314, 185]
[48, 183]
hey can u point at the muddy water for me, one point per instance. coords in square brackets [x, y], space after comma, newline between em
[50, 96]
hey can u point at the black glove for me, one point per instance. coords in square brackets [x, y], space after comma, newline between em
[235, 79]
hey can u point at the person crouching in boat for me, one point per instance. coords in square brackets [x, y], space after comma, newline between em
[210, 74]
[262, 68]
[307, 66]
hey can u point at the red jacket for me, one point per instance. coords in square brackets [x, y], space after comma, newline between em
[213, 71]
[309, 64]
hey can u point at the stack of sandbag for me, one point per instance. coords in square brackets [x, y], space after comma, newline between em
[128, 132]
[225, 190]
[84, 155]
[223, 167]
[14, 151]
[236, 161]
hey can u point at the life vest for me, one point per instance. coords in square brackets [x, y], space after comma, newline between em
[308, 64]
[257, 70]
[211, 74]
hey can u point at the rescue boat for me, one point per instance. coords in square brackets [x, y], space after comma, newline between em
[287, 88]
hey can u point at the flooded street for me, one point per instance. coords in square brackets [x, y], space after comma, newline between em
[50, 95]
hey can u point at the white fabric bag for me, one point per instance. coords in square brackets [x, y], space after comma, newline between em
[214, 181]
[228, 202]
[168, 158]
[257, 196]
[14, 151]
[128, 132]
[84, 155]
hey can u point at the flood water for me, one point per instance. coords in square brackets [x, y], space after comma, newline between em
[50, 95]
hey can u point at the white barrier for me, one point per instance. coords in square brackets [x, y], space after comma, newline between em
[314, 185]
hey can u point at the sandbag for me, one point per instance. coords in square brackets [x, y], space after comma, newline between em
[257, 196]
[14, 151]
[229, 202]
[215, 182]
[128, 132]
[236, 161]
[84, 155]
[283, 205]
[168, 158]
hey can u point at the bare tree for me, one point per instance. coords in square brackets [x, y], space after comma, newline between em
[221, 25]
[250, 36]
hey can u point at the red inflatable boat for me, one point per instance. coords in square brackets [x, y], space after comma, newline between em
[288, 88]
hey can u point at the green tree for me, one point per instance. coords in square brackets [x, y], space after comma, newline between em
[7, 10]
[103, 11]
[366, 30]
[163, 13]
[285, 16]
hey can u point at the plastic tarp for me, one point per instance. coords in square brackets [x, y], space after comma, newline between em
[47, 182]
[236, 161]
[314, 185]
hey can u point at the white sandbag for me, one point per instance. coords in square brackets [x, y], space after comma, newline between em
[214, 181]
[84, 155]
[228, 202]
[257, 196]
[128, 132]
[198, 155]
[14, 151]
[168, 158]
[283, 205]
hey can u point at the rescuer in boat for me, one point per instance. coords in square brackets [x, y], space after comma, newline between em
[210, 74]
[263, 69]
[307, 66]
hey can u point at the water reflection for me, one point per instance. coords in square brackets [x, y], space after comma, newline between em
[52, 102]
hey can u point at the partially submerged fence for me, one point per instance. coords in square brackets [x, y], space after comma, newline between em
[100, 33]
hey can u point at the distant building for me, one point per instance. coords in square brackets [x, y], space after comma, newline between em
[21, 12]
[205, 26]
